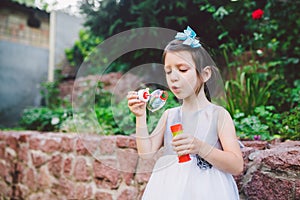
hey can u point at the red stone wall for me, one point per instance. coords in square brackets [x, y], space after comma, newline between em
[53, 166]
[58, 166]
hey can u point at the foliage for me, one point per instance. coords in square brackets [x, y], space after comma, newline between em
[50, 116]
[30, 3]
[112, 117]
[43, 118]
[82, 47]
[294, 99]
[264, 123]
[249, 88]
[230, 22]
[290, 128]
[247, 127]
[50, 93]
[254, 42]
[268, 124]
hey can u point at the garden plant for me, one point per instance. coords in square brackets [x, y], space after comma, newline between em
[255, 43]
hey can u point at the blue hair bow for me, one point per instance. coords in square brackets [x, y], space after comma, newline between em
[188, 36]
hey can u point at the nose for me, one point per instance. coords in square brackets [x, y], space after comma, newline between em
[174, 76]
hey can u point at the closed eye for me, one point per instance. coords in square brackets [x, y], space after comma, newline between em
[183, 70]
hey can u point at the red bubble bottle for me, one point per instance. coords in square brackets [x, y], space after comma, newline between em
[177, 129]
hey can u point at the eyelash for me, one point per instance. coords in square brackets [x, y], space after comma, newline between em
[181, 70]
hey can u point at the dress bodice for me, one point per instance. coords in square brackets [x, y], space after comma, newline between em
[202, 124]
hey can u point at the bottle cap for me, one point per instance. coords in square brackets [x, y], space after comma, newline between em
[176, 128]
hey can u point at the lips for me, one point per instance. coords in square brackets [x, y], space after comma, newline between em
[175, 89]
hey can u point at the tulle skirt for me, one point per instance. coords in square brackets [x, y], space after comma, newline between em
[186, 181]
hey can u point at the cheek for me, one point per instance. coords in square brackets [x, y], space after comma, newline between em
[168, 80]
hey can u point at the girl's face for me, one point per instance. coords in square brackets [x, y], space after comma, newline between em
[181, 74]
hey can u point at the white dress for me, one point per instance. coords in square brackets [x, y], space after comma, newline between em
[189, 181]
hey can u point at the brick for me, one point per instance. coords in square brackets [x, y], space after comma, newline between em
[81, 148]
[29, 179]
[64, 187]
[2, 149]
[34, 143]
[44, 178]
[106, 174]
[103, 196]
[38, 158]
[107, 145]
[4, 172]
[12, 142]
[127, 159]
[55, 165]
[67, 166]
[83, 191]
[81, 170]
[67, 144]
[5, 190]
[23, 154]
[128, 194]
[50, 146]
[126, 142]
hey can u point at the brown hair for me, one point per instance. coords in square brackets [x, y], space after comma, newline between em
[200, 57]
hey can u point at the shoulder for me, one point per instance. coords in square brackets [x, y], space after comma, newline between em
[222, 115]
[221, 111]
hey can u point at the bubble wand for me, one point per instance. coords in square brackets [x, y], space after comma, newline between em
[155, 100]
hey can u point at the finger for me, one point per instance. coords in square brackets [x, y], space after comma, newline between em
[138, 105]
[181, 148]
[180, 143]
[132, 102]
[183, 152]
[181, 136]
[132, 95]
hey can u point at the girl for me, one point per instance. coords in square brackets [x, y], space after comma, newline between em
[208, 130]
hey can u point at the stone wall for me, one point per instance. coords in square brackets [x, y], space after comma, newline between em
[60, 166]
[272, 171]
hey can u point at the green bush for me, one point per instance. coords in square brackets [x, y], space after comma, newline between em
[44, 118]
[266, 124]
[290, 124]
[250, 127]
[249, 88]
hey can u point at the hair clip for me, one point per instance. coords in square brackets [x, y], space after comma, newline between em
[188, 36]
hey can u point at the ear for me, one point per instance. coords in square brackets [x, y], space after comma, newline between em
[206, 73]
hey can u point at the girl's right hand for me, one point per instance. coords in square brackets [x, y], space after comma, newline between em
[136, 106]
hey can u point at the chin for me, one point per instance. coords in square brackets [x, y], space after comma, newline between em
[178, 96]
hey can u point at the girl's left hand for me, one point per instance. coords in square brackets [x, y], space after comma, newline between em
[186, 144]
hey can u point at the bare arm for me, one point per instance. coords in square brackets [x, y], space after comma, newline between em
[147, 145]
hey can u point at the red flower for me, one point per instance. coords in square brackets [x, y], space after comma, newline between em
[257, 14]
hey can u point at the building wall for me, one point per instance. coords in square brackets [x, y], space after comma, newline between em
[23, 61]
[24, 56]
[22, 69]
[66, 33]
[14, 28]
